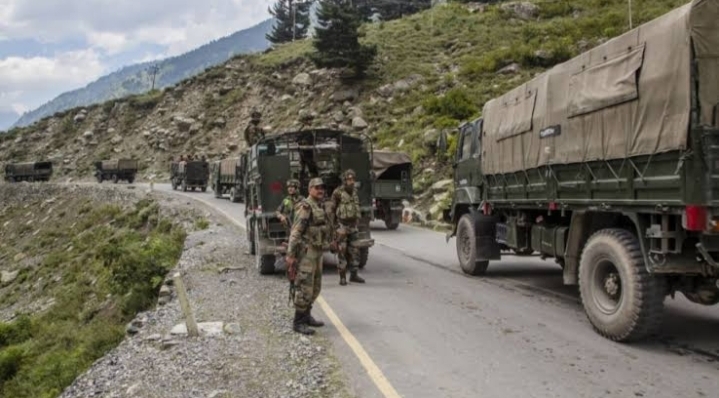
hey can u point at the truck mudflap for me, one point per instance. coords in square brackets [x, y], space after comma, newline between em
[362, 243]
[485, 230]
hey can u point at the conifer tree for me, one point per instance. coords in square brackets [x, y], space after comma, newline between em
[292, 19]
[336, 39]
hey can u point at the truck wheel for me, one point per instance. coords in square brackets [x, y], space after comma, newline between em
[621, 299]
[99, 179]
[267, 264]
[363, 256]
[204, 189]
[467, 248]
[114, 178]
[233, 196]
[217, 191]
[131, 180]
[184, 186]
[391, 225]
[251, 238]
[523, 252]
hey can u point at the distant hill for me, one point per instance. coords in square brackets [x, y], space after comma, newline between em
[134, 79]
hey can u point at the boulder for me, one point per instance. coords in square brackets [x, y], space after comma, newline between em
[88, 134]
[219, 122]
[183, 123]
[358, 123]
[441, 186]
[8, 277]
[79, 117]
[341, 96]
[302, 79]
[116, 139]
[522, 9]
[510, 69]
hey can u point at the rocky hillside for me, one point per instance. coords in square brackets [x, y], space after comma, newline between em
[135, 79]
[434, 69]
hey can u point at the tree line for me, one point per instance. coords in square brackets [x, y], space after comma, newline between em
[337, 36]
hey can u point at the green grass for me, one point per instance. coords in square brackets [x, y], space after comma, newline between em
[110, 266]
[146, 101]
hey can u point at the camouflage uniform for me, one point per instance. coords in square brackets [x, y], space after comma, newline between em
[346, 209]
[287, 207]
[253, 132]
[308, 240]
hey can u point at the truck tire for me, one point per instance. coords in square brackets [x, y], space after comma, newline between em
[130, 180]
[621, 299]
[523, 252]
[174, 184]
[267, 264]
[391, 225]
[467, 249]
[204, 189]
[233, 195]
[217, 191]
[100, 179]
[363, 257]
[114, 178]
[184, 186]
[251, 238]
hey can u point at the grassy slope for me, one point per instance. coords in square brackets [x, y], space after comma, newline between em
[99, 265]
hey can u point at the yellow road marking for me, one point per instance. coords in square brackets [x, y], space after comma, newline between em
[374, 372]
[372, 369]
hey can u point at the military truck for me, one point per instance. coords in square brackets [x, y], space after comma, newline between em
[116, 170]
[189, 175]
[609, 164]
[226, 177]
[392, 183]
[301, 155]
[28, 171]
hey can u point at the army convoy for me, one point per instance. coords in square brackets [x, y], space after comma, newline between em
[189, 175]
[116, 170]
[227, 177]
[29, 171]
[608, 163]
[391, 184]
[301, 155]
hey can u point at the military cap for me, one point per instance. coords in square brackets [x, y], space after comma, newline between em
[316, 181]
[293, 183]
[256, 115]
[349, 172]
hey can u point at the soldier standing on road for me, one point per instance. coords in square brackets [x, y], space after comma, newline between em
[307, 242]
[346, 209]
[285, 212]
[253, 131]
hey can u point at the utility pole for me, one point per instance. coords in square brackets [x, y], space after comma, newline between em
[153, 72]
[630, 14]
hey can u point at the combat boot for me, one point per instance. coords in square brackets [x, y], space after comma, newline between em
[343, 277]
[300, 325]
[355, 278]
[312, 321]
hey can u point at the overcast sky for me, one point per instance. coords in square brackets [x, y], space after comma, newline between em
[48, 47]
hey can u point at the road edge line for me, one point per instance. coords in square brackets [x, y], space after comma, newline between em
[374, 372]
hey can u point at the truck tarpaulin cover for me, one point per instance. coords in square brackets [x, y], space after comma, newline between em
[228, 166]
[382, 160]
[627, 97]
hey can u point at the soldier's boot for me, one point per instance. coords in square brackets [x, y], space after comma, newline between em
[311, 321]
[300, 325]
[355, 278]
[343, 277]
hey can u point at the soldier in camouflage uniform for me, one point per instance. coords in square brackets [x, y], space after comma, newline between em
[308, 240]
[346, 212]
[253, 131]
[285, 212]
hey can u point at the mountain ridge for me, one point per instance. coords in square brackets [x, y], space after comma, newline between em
[134, 79]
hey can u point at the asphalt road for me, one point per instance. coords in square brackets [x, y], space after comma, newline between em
[517, 332]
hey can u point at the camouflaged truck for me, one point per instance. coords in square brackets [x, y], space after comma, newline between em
[301, 155]
[116, 170]
[190, 175]
[227, 177]
[29, 171]
[609, 164]
[392, 183]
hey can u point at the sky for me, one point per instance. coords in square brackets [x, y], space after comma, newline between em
[48, 47]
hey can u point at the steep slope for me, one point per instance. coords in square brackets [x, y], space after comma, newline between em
[134, 79]
[433, 70]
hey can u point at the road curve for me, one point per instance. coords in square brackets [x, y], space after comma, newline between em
[518, 332]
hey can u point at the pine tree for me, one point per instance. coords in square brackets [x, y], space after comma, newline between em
[337, 38]
[283, 10]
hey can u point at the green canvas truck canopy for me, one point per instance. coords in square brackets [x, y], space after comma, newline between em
[228, 166]
[627, 97]
[382, 160]
[119, 164]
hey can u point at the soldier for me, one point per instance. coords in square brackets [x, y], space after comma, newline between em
[346, 212]
[253, 132]
[307, 242]
[285, 212]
